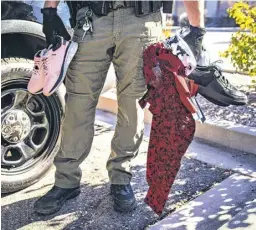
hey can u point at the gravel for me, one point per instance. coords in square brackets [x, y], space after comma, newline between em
[244, 115]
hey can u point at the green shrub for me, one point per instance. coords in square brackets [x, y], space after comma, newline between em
[242, 49]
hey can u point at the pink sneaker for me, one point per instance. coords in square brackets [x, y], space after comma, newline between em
[36, 83]
[56, 63]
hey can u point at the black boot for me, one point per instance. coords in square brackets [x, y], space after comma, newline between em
[124, 200]
[53, 200]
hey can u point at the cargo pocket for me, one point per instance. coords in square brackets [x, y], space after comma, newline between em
[139, 82]
[78, 125]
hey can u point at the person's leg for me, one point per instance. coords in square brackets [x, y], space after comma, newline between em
[132, 35]
[84, 81]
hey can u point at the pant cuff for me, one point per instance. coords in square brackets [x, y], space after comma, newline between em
[66, 185]
[123, 181]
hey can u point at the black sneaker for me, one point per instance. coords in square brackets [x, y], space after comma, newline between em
[53, 200]
[215, 87]
[123, 197]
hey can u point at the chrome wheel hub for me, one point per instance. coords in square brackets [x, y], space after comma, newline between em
[16, 126]
[25, 127]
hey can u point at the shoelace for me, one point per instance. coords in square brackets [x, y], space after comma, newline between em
[45, 65]
[217, 68]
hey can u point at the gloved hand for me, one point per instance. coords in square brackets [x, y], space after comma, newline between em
[53, 25]
[193, 36]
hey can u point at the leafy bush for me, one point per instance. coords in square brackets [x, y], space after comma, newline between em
[242, 49]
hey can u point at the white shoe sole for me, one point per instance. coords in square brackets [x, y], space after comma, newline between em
[70, 53]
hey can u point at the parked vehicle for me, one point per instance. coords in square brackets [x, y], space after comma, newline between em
[30, 123]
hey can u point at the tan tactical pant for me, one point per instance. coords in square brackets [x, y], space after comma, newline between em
[119, 38]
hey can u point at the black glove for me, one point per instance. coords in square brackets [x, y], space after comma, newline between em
[53, 25]
[193, 36]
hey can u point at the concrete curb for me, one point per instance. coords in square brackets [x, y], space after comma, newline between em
[215, 29]
[234, 72]
[228, 134]
[225, 133]
[215, 208]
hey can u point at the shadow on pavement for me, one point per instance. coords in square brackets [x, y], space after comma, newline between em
[92, 209]
[230, 205]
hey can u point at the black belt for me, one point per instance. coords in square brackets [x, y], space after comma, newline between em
[146, 7]
[129, 3]
[102, 8]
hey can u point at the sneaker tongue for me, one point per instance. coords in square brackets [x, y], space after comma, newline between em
[43, 52]
[38, 54]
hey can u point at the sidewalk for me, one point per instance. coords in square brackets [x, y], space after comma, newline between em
[230, 205]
